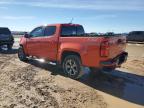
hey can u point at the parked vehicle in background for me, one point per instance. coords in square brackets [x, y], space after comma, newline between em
[6, 37]
[69, 46]
[136, 36]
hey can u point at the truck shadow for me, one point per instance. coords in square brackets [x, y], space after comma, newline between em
[121, 84]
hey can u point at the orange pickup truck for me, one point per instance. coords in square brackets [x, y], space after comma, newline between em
[70, 47]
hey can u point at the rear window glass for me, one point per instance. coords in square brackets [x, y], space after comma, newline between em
[4, 31]
[68, 31]
[50, 30]
[136, 33]
[80, 31]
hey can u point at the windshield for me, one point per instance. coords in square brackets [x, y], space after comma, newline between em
[4, 31]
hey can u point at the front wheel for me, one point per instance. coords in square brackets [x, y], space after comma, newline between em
[72, 66]
[21, 54]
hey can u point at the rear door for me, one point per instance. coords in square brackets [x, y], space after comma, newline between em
[33, 43]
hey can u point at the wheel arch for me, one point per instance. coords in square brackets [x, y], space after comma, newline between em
[66, 53]
[23, 48]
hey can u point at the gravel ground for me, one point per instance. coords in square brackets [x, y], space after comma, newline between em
[23, 85]
[39, 85]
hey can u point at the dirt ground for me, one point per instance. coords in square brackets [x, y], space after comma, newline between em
[135, 62]
[40, 85]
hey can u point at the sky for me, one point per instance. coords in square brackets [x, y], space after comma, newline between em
[95, 15]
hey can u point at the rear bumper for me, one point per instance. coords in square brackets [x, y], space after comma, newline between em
[116, 62]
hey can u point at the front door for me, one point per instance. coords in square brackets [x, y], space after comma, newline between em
[33, 43]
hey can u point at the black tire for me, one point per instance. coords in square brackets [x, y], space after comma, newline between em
[72, 66]
[21, 54]
[94, 72]
[9, 47]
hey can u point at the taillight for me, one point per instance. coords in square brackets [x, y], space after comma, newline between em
[104, 49]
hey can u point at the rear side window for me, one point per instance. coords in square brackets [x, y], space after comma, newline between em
[68, 31]
[50, 30]
[80, 31]
[4, 31]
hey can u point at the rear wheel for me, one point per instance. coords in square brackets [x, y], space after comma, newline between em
[21, 54]
[72, 66]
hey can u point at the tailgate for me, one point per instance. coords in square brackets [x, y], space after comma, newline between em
[117, 45]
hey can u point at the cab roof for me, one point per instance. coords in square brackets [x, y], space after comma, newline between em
[66, 24]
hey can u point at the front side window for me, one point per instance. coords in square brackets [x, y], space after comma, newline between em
[37, 32]
[68, 31]
[49, 31]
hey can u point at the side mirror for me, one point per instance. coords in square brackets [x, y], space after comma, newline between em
[26, 35]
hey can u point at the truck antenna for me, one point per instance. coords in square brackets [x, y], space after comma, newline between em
[71, 21]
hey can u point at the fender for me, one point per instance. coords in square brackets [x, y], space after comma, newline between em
[23, 44]
[71, 47]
